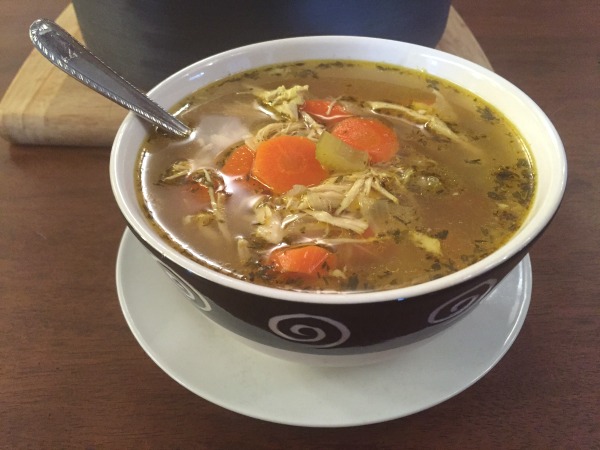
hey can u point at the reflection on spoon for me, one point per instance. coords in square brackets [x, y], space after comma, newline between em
[66, 53]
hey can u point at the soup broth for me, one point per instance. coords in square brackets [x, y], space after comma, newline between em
[337, 176]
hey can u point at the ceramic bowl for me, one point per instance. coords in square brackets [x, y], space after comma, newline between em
[345, 328]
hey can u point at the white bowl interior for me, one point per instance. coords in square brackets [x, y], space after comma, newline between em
[532, 123]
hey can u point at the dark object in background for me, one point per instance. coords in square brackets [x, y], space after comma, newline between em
[148, 40]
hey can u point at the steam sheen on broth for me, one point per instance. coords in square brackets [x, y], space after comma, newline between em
[402, 177]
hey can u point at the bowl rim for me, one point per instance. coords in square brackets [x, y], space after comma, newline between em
[133, 125]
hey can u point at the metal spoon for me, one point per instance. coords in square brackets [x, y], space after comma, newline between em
[66, 53]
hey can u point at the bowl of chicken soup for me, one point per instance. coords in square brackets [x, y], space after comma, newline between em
[339, 197]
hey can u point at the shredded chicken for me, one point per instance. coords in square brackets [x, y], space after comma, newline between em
[350, 223]
[243, 249]
[430, 122]
[282, 101]
[427, 243]
[269, 224]
[177, 172]
[282, 105]
[335, 202]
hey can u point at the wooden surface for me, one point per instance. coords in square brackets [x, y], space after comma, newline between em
[45, 106]
[73, 376]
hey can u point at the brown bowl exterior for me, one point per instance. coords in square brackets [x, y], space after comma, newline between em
[332, 329]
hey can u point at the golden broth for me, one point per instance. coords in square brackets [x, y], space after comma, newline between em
[458, 187]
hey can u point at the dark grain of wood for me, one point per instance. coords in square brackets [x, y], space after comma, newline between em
[73, 376]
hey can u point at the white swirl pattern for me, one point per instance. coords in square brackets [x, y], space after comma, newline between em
[310, 329]
[199, 300]
[461, 303]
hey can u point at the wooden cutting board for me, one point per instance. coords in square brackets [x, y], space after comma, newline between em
[44, 106]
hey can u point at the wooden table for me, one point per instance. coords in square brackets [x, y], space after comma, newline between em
[73, 375]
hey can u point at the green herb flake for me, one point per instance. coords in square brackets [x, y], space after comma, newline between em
[352, 282]
[433, 84]
[441, 235]
[496, 196]
[487, 114]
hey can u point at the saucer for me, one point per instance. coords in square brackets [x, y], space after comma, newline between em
[209, 361]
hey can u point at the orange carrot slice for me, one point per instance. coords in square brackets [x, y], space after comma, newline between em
[324, 111]
[306, 260]
[198, 193]
[239, 163]
[284, 161]
[369, 135]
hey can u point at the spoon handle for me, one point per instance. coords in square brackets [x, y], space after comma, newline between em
[65, 52]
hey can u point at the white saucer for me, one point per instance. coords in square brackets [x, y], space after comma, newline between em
[208, 361]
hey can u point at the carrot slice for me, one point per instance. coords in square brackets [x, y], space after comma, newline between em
[284, 161]
[368, 233]
[324, 111]
[306, 260]
[239, 163]
[198, 193]
[369, 135]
